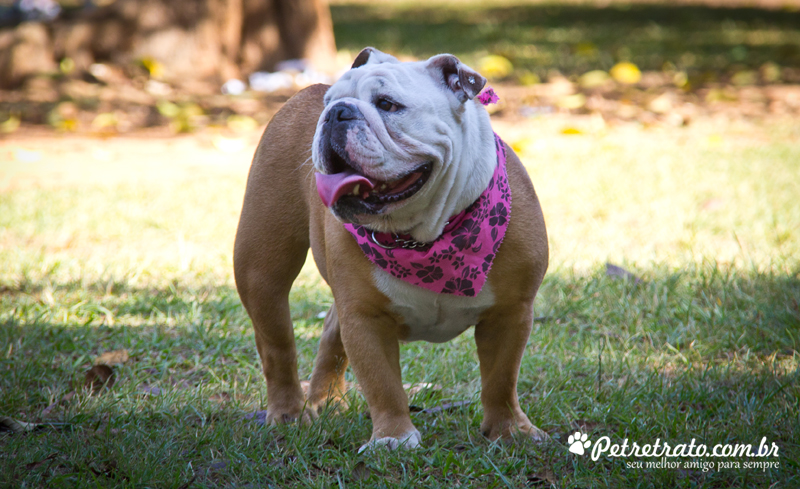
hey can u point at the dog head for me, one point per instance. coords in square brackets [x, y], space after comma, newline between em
[396, 140]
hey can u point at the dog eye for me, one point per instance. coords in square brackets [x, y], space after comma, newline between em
[386, 105]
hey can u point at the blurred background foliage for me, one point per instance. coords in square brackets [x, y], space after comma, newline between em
[709, 42]
[640, 60]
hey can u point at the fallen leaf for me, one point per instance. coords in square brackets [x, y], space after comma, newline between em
[46, 411]
[680, 79]
[584, 425]
[360, 472]
[661, 104]
[153, 66]
[104, 120]
[770, 72]
[12, 425]
[543, 478]
[446, 407]
[47, 296]
[260, 417]
[220, 397]
[167, 108]
[112, 357]
[157, 88]
[15, 426]
[615, 271]
[625, 72]
[745, 78]
[575, 101]
[414, 389]
[495, 67]
[37, 464]
[676, 120]
[98, 377]
[718, 95]
[188, 483]
[594, 79]
[528, 78]
[522, 146]
[108, 470]
[627, 111]
[10, 125]
[150, 391]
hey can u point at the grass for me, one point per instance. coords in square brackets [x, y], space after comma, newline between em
[134, 254]
[704, 347]
[540, 36]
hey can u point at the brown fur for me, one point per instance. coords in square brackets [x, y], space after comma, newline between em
[282, 215]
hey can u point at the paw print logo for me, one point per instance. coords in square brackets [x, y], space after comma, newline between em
[578, 442]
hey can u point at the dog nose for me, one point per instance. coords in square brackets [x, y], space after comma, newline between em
[342, 112]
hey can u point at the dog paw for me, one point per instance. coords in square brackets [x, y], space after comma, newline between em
[535, 434]
[306, 416]
[410, 440]
[331, 398]
[335, 405]
[510, 428]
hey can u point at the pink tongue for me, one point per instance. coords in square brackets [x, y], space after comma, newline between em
[332, 187]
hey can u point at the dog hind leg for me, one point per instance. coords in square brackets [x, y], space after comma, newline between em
[271, 246]
[501, 338]
[327, 379]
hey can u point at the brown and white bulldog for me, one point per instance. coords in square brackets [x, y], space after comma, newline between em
[396, 149]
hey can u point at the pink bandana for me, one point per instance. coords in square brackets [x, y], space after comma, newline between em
[458, 261]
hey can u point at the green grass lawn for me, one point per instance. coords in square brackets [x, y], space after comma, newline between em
[575, 37]
[126, 244]
[704, 347]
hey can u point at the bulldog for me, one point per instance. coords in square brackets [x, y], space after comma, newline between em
[395, 179]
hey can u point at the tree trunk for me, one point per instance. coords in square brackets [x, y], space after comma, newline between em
[198, 39]
[275, 30]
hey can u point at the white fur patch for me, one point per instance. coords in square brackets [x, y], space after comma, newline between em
[430, 316]
[412, 439]
[456, 137]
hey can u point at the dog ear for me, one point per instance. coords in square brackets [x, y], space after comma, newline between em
[362, 58]
[370, 55]
[459, 78]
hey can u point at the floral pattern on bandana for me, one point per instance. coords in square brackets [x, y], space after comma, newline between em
[459, 260]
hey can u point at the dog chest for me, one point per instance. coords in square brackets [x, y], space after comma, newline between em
[430, 316]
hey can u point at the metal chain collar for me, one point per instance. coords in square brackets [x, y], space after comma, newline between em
[408, 244]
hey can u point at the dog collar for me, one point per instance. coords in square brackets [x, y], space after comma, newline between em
[458, 261]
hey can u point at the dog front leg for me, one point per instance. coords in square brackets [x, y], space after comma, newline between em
[501, 337]
[370, 340]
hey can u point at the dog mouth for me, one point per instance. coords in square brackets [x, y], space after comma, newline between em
[348, 187]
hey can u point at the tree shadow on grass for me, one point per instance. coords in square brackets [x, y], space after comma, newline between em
[576, 39]
[208, 351]
[125, 435]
